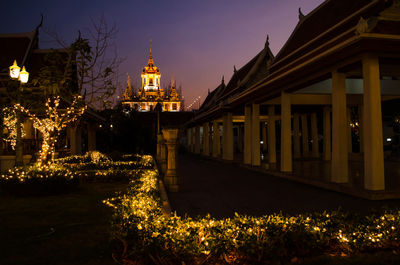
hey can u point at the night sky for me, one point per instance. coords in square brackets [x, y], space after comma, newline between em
[198, 40]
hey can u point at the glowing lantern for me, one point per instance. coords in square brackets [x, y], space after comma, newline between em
[14, 70]
[23, 75]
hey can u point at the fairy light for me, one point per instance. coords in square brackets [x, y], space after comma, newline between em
[10, 123]
[54, 122]
[194, 102]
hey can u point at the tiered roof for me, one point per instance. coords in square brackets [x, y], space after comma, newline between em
[330, 34]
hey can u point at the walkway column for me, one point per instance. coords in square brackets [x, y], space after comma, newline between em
[271, 135]
[189, 140]
[339, 168]
[296, 135]
[247, 135]
[264, 137]
[314, 135]
[255, 132]
[349, 137]
[240, 138]
[304, 135]
[171, 178]
[206, 139]
[193, 139]
[227, 137]
[374, 178]
[159, 143]
[361, 127]
[327, 134]
[286, 133]
[216, 140]
[197, 140]
[163, 154]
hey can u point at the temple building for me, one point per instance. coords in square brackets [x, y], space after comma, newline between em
[151, 93]
[323, 111]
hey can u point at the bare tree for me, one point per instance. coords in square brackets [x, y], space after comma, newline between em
[95, 57]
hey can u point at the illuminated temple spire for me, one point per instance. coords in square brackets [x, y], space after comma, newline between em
[128, 90]
[151, 62]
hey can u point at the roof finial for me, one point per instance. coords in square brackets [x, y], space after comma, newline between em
[41, 22]
[301, 15]
[151, 41]
[234, 69]
[267, 41]
[222, 81]
[172, 81]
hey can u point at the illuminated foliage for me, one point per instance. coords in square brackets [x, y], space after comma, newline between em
[55, 120]
[149, 236]
[10, 123]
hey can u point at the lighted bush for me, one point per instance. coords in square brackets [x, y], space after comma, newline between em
[146, 235]
[92, 156]
[38, 180]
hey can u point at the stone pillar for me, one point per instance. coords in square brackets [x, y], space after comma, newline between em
[227, 137]
[247, 135]
[216, 152]
[349, 137]
[271, 135]
[255, 132]
[286, 133]
[193, 139]
[197, 140]
[240, 138]
[264, 137]
[75, 140]
[163, 155]
[171, 179]
[327, 134]
[339, 168]
[206, 139]
[360, 127]
[296, 135]
[374, 178]
[91, 137]
[304, 135]
[159, 143]
[314, 135]
[189, 142]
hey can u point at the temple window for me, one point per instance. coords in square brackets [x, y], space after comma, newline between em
[174, 106]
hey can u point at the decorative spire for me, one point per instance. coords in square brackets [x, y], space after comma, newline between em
[128, 91]
[301, 15]
[222, 81]
[172, 82]
[267, 41]
[151, 62]
[234, 69]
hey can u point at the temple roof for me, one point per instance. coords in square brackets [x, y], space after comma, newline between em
[329, 18]
[150, 68]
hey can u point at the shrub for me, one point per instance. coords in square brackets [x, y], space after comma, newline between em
[146, 235]
[38, 180]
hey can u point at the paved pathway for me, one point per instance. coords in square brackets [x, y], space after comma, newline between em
[222, 189]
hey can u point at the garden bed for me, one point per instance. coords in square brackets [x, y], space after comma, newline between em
[65, 174]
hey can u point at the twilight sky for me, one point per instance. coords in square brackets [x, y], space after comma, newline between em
[196, 40]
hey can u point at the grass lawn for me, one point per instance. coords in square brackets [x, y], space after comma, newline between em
[71, 228]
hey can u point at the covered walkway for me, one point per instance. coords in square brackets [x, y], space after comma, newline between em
[222, 189]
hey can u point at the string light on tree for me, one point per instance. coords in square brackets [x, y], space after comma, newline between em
[55, 120]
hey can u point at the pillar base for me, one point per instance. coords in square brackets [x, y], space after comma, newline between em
[171, 181]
